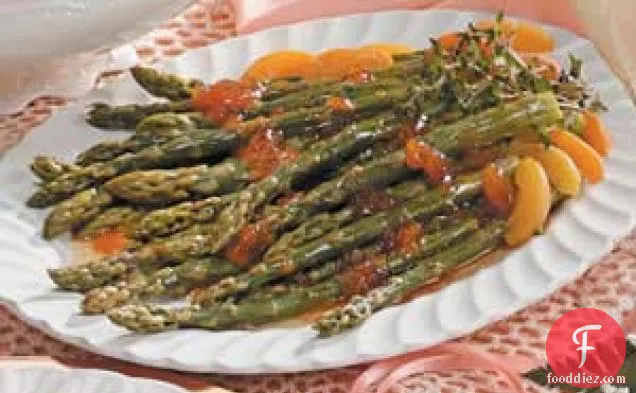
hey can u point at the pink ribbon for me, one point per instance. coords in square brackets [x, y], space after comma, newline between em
[386, 374]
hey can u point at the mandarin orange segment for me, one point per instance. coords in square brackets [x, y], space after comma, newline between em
[391, 49]
[561, 169]
[530, 37]
[449, 41]
[532, 202]
[595, 134]
[281, 64]
[341, 63]
[584, 156]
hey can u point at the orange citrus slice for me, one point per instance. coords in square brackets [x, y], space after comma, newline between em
[595, 134]
[341, 63]
[449, 41]
[532, 202]
[530, 37]
[391, 49]
[585, 157]
[281, 64]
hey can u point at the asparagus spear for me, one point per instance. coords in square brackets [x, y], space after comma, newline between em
[306, 118]
[334, 243]
[169, 282]
[166, 186]
[209, 238]
[320, 94]
[481, 129]
[321, 224]
[49, 168]
[160, 122]
[178, 184]
[176, 218]
[196, 145]
[323, 154]
[174, 87]
[76, 211]
[177, 280]
[154, 129]
[164, 85]
[391, 168]
[326, 196]
[127, 117]
[311, 229]
[361, 307]
[118, 217]
[261, 309]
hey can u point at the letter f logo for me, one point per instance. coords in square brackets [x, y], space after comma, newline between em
[583, 344]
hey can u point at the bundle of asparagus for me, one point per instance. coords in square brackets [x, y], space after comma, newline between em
[261, 202]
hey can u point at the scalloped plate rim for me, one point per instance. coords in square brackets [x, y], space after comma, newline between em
[140, 384]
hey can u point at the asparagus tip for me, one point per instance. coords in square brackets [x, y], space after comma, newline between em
[335, 321]
[101, 300]
[146, 318]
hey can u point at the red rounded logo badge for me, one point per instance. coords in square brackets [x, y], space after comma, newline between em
[585, 348]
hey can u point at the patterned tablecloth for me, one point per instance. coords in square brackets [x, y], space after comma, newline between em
[609, 286]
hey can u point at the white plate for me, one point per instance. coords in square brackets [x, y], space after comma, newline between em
[583, 231]
[30, 378]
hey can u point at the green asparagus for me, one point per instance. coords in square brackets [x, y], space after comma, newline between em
[174, 185]
[196, 145]
[320, 94]
[169, 282]
[263, 309]
[123, 218]
[349, 237]
[164, 85]
[76, 211]
[168, 186]
[154, 129]
[427, 270]
[164, 222]
[127, 117]
[323, 154]
[49, 168]
[209, 238]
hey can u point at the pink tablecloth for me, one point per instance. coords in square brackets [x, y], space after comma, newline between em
[610, 286]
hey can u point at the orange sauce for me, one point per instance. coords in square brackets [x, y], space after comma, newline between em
[407, 239]
[360, 278]
[264, 152]
[252, 240]
[423, 157]
[407, 132]
[449, 41]
[223, 100]
[109, 243]
[339, 104]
